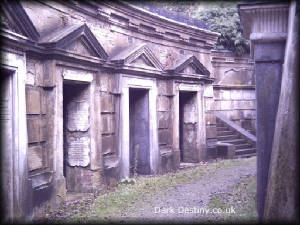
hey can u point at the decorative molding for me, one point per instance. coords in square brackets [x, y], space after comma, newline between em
[77, 76]
[132, 18]
[65, 36]
[14, 18]
[132, 53]
[264, 20]
[185, 62]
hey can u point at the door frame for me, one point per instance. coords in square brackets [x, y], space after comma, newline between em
[15, 63]
[75, 76]
[201, 132]
[124, 83]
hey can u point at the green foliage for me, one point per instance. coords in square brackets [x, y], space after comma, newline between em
[226, 21]
[123, 199]
[221, 16]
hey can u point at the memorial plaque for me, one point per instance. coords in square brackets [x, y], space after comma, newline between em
[78, 116]
[78, 151]
[78, 110]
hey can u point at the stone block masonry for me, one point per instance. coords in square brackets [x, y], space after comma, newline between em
[88, 71]
[234, 88]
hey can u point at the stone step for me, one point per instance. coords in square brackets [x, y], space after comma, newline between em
[221, 125]
[242, 146]
[223, 133]
[236, 141]
[245, 151]
[227, 137]
[244, 156]
[222, 129]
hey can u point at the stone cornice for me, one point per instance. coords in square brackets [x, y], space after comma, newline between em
[42, 53]
[264, 21]
[18, 19]
[141, 21]
[230, 60]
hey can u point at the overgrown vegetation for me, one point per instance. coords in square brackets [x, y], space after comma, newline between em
[220, 16]
[242, 197]
[128, 196]
[226, 21]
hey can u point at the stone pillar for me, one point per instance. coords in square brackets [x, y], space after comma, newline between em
[266, 25]
[283, 181]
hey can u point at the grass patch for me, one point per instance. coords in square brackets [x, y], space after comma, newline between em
[242, 199]
[126, 197]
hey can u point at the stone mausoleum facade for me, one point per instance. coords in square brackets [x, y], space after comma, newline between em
[96, 92]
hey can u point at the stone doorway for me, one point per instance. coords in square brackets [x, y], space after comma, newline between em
[148, 90]
[76, 134]
[188, 126]
[7, 146]
[139, 153]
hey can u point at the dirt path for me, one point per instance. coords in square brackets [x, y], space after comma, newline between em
[185, 201]
[186, 196]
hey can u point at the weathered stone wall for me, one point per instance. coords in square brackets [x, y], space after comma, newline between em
[283, 180]
[36, 109]
[164, 123]
[210, 118]
[273, 34]
[237, 104]
[114, 38]
[109, 48]
[123, 30]
[232, 70]
[108, 127]
[234, 88]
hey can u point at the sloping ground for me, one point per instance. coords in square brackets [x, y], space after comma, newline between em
[221, 191]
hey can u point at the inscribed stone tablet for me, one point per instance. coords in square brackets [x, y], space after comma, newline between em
[78, 151]
[78, 116]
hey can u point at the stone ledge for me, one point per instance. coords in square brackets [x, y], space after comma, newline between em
[217, 86]
[111, 162]
[41, 180]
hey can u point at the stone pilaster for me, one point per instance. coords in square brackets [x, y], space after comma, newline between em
[266, 26]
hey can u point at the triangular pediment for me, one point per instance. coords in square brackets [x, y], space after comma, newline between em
[189, 65]
[190, 69]
[15, 19]
[75, 38]
[82, 47]
[140, 56]
[142, 61]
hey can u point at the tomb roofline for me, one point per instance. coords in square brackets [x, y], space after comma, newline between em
[138, 20]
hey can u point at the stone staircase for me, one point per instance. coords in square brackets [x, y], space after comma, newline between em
[231, 133]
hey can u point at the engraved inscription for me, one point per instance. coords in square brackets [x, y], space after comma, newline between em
[77, 125]
[78, 151]
[78, 116]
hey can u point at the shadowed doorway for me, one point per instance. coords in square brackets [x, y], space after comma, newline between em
[76, 127]
[188, 125]
[139, 153]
